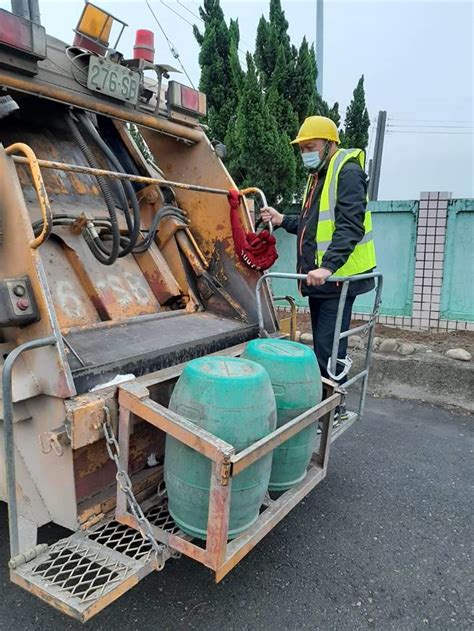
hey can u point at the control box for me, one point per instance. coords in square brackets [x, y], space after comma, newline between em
[17, 302]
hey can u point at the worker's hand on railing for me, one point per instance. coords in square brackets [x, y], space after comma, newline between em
[270, 214]
[317, 277]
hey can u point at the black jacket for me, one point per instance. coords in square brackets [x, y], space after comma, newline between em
[349, 212]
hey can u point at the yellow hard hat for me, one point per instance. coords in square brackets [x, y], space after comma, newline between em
[317, 127]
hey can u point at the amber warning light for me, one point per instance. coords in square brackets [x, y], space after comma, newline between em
[94, 29]
[181, 97]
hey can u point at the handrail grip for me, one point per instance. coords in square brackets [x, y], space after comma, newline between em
[338, 335]
[252, 190]
[33, 162]
[9, 442]
[294, 276]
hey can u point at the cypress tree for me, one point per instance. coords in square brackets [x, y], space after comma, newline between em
[216, 75]
[272, 36]
[140, 141]
[236, 72]
[256, 113]
[266, 49]
[357, 122]
[259, 153]
[279, 22]
[279, 105]
[303, 91]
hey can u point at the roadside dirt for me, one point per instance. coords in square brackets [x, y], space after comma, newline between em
[439, 341]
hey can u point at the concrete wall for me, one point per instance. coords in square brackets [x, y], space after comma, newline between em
[425, 250]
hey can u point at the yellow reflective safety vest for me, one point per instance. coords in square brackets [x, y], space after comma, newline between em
[362, 258]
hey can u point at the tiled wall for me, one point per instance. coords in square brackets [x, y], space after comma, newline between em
[431, 235]
[430, 247]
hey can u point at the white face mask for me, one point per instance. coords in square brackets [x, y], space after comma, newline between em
[311, 160]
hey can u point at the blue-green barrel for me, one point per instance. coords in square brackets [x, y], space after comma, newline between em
[296, 381]
[232, 399]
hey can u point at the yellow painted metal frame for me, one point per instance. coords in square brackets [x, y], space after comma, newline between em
[32, 161]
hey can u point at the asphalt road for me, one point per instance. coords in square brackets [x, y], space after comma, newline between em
[382, 543]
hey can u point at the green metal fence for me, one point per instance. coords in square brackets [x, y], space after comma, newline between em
[395, 244]
[457, 293]
[395, 240]
[286, 262]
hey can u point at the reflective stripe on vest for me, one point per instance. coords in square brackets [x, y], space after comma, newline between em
[363, 256]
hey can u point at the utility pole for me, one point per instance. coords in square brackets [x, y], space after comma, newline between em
[320, 44]
[377, 159]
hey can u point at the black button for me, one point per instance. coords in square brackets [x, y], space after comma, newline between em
[19, 290]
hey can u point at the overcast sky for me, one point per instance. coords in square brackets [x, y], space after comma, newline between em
[417, 59]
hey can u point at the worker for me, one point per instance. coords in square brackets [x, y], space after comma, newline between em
[334, 231]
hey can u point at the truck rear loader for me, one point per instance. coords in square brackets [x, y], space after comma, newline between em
[117, 267]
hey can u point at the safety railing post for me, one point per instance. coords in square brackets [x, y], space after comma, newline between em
[338, 334]
[8, 436]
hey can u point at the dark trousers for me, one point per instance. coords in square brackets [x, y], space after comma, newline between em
[323, 320]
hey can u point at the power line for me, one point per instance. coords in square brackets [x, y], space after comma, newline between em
[452, 133]
[172, 48]
[426, 120]
[447, 126]
[176, 13]
[198, 17]
[239, 50]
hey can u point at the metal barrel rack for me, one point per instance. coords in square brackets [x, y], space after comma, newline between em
[218, 554]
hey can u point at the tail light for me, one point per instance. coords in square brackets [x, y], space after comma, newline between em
[185, 99]
[22, 35]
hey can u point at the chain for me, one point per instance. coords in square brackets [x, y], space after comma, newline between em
[125, 484]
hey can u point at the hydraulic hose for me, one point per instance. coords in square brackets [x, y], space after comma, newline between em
[116, 186]
[164, 211]
[69, 220]
[102, 222]
[133, 227]
[94, 243]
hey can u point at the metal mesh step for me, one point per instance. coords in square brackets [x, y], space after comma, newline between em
[128, 541]
[82, 574]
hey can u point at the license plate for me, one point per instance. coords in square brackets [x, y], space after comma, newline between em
[113, 80]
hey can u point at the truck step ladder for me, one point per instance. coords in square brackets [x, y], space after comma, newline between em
[83, 573]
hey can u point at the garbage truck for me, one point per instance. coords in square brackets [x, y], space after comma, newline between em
[118, 268]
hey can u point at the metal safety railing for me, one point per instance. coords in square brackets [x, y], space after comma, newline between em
[256, 191]
[291, 301]
[140, 179]
[367, 328]
[8, 437]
